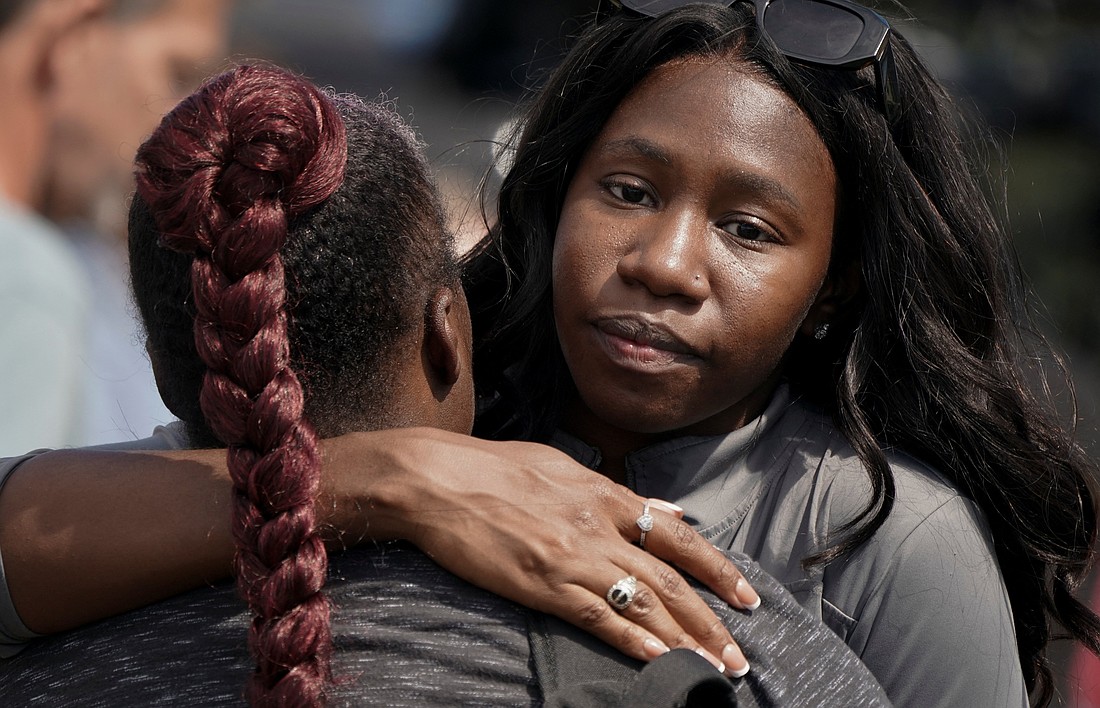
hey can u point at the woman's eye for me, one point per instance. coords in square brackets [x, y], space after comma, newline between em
[748, 231]
[629, 193]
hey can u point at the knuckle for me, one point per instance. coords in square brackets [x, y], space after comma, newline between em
[685, 537]
[544, 560]
[682, 641]
[617, 497]
[629, 636]
[603, 489]
[672, 585]
[645, 602]
[726, 571]
[593, 614]
[713, 633]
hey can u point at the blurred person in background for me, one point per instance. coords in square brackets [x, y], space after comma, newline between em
[43, 293]
[82, 82]
[115, 78]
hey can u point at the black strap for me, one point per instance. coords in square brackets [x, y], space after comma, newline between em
[679, 679]
[576, 670]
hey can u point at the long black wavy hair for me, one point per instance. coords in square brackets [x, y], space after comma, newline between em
[934, 357]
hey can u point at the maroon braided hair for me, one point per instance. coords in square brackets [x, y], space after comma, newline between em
[224, 175]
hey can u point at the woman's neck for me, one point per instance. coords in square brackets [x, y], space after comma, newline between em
[615, 442]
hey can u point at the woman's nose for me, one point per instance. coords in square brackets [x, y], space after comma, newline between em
[667, 257]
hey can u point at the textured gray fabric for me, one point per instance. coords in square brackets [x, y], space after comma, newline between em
[406, 633]
[922, 603]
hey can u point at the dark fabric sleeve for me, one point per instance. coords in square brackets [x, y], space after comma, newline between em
[796, 661]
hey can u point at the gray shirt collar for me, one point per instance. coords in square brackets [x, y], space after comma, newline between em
[716, 479]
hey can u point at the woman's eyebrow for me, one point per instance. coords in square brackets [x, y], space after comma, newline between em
[756, 183]
[740, 179]
[632, 146]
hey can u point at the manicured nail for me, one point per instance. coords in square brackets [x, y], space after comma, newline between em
[731, 657]
[654, 647]
[746, 594]
[712, 659]
[667, 506]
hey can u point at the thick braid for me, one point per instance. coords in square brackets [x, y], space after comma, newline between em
[223, 175]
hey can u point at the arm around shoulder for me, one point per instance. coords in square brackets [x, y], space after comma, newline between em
[87, 534]
[90, 533]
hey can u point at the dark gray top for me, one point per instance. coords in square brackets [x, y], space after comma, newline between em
[408, 633]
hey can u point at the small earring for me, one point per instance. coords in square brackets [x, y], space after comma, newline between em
[821, 331]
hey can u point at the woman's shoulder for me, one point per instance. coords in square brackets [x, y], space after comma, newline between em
[923, 594]
[932, 527]
[921, 492]
[927, 578]
[929, 518]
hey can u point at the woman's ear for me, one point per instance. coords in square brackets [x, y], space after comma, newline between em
[448, 358]
[446, 338]
[841, 286]
[51, 24]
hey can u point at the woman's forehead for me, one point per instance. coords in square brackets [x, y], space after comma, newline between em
[716, 113]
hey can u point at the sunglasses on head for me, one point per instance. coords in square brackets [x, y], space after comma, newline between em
[832, 33]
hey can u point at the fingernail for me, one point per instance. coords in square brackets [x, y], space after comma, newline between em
[731, 657]
[667, 506]
[712, 659]
[746, 594]
[654, 647]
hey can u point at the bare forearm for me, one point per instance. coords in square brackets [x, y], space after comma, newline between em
[89, 534]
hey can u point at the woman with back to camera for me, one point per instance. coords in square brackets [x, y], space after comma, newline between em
[782, 302]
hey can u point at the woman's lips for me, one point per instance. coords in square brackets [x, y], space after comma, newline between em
[639, 343]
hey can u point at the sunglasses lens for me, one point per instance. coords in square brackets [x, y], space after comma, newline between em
[811, 27]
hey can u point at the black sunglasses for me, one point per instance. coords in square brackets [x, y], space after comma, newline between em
[832, 33]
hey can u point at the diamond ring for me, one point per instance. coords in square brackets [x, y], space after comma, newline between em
[645, 523]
